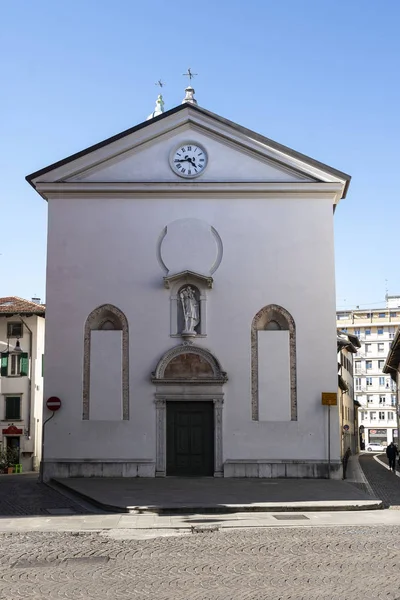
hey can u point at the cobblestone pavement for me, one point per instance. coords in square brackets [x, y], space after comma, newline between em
[24, 495]
[275, 564]
[384, 483]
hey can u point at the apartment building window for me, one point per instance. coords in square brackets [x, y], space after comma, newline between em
[14, 329]
[380, 330]
[343, 316]
[393, 314]
[367, 332]
[368, 364]
[368, 381]
[369, 315]
[13, 408]
[372, 415]
[357, 332]
[382, 399]
[14, 365]
[393, 400]
[358, 384]
[381, 381]
[382, 415]
[381, 364]
[391, 332]
[390, 416]
[370, 399]
[381, 315]
[364, 415]
[357, 366]
[368, 348]
[381, 347]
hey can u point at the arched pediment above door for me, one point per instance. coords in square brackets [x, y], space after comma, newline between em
[188, 364]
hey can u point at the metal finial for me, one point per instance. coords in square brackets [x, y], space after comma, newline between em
[160, 83]
[189, 91]
[189, 74]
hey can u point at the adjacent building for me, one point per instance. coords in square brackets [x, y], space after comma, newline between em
[374, 389]
[188, 262]
[348, 346]
[392, 368]
[22, 330]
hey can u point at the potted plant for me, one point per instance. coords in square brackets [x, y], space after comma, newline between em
[8, 458]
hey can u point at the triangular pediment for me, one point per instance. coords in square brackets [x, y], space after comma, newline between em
[142, 155]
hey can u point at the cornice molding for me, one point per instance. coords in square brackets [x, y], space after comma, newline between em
[331, 191]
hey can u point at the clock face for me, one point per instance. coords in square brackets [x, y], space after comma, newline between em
[188, 160]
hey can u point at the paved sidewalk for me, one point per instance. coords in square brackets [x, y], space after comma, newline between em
[158, 495]
[158, 525]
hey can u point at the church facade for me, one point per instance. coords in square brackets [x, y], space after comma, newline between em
[190, 310]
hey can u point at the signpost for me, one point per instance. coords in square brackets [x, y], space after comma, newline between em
[53, 403]
[329, 399]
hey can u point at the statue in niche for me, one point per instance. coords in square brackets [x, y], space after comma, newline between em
[190, 308]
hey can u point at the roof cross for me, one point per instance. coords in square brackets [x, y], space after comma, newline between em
[189, 74]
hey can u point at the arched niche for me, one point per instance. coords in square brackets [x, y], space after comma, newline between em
[201, 285]
[106, 318]
[273, 318]
[188, 373]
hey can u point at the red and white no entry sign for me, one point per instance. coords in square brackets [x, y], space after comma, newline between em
[53, 403]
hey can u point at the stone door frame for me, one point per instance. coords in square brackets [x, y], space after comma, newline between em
[161, 400]
[200, 389]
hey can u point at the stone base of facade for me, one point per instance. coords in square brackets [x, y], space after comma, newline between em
[231, 468]
[282, 469]
[98, 468]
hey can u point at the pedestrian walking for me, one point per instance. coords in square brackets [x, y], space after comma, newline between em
[391, 452]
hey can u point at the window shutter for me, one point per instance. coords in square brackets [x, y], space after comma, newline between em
[4, 365]
[13, 408]
[24, 363]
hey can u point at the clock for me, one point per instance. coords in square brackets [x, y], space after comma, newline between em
[188, 160]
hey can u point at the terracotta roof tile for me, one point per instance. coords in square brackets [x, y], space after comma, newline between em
[12, 305]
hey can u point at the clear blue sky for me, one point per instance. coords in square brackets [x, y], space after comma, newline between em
[321, 76]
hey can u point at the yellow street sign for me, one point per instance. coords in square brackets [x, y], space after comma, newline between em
[329, 398]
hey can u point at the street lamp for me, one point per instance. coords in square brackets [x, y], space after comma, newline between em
[17, 349]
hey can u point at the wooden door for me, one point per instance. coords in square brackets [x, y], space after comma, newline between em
[190, 438]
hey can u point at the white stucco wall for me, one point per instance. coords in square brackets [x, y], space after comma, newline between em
[275, 250]
[274, 375]
[106, 376]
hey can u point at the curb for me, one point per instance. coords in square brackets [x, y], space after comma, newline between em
[323, 506]
[107, 507]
